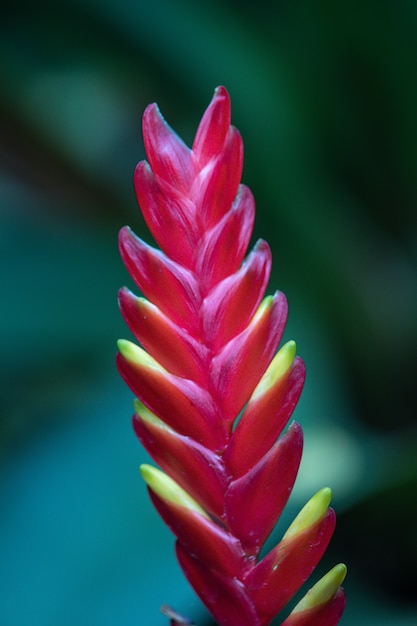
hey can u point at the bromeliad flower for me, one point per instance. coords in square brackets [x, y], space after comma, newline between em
[213, 393]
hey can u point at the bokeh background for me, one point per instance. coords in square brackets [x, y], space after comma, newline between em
[325, 96]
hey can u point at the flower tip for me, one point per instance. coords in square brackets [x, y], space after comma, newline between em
[151, 111]
[168, 490]
[123, 346]
[143, 414]
[136, 355]
[142, 411]
[323, 590]
[284, 359]
[148, 472]
[278, 367]
[130, 351]
[126, 240]
[312, 512]
[221, 92]
[124, 232]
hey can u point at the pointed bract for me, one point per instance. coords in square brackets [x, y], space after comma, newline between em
[217, 186]
[225, 597]
[169, 157]
[323, 604]
[254, 502]
[156, 276]
[168, 490]
[169, 344]
[201, 537]
[311, 513]
[264, 419]
[171, 219]
[278, 576]
[213, 128]
[183, 459]
[185, 406]
[238, 367]
[230, 306]
[224, 246]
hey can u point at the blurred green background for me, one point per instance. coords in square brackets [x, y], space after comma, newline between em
[325, 96]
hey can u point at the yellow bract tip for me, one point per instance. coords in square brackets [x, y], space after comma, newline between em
[311, 513]
[265, 304]
[167, 489]
[137, 355]
[279, 366]
[323, 590]
[148, 417]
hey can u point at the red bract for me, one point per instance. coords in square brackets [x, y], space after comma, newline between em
[214, 396]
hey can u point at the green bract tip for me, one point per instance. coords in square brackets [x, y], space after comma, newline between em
[148, 417]
[167, 489]
[323, 590]
[136, 355]
[311, 513]
[279, 366]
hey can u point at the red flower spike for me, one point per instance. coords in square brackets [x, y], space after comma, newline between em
[213, 397]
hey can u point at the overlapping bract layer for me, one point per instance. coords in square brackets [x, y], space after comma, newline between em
[209, 338]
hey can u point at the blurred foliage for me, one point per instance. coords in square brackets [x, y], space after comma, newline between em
[325, 95]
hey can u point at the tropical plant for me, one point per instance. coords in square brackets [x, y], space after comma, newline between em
[213, 394]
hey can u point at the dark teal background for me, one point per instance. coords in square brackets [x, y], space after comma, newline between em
[325, 96]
